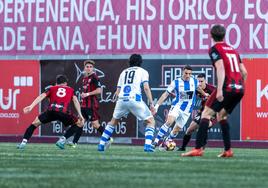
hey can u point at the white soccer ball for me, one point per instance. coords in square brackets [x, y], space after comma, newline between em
[170, 145]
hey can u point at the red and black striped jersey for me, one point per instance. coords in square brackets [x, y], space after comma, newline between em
[231, 59]
[60, 97]
[90, 83]
[209, 89]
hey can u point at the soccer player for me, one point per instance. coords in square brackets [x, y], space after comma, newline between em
[231, 75]
[185, 88]
[59, 97]
[208, 89]
[129, 99]
[90, 103]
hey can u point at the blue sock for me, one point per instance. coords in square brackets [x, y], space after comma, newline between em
[107, 133]
[149, 135]
[162, 131]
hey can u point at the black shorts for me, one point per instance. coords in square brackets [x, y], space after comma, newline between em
[231, 99]
[90, 114]
[50, 115]
[197, 117]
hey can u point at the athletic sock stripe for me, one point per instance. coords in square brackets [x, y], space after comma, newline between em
[106, 132]
[102, 142]
[149, 129]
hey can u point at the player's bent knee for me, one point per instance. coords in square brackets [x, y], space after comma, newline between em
[150, 122]
[113, 122]
[190, 130]
[36, 122]
[80, 123]
[176, 129]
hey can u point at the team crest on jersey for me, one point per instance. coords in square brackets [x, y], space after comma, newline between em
[214, 55]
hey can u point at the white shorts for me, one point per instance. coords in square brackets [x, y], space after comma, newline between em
[181, 117]
[137, 108]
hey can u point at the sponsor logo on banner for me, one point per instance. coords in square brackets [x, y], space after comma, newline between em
[19, 87]
[255, 101]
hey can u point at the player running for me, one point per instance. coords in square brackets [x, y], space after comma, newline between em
[231, 75]
[60, 97]
[130, 100]
[185, 89]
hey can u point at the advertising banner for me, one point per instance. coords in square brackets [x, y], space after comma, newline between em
[108, 71]
[161, 74]
[255, 101]
[19, 86]
[82, 27]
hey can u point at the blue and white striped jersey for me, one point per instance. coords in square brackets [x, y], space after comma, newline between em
[185, 92]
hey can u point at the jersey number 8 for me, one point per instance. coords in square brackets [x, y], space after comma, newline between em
[61, 92]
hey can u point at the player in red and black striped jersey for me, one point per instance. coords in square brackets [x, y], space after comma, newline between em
[231, 75]
[60, 97]
[208, 89]
[90, 103]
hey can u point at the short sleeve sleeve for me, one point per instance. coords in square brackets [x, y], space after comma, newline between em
[171, 87]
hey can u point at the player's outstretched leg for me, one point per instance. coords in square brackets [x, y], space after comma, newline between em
[161, 133]
[27, 135]
[61, 142]
[185, 141]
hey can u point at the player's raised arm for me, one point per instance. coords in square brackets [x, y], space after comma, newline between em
[36, 101]
[163, 97]
[161, 100]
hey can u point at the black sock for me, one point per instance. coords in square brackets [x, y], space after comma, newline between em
[225, 129]
[70, 131]
[100, 129]
[205, 141]
[29, 132]
[77, 135]
[186, 139]
[201, 135]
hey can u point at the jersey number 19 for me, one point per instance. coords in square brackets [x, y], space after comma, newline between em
[129, 77]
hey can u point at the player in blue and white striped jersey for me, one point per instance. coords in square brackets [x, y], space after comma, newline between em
[185, 89]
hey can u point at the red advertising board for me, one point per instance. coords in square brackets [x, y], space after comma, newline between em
[19, 85]
[255, 101]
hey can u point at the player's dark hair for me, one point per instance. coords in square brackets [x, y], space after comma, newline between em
[217, 33]
[135, 60]
[188, 67]
[201, 75]
[61, 79]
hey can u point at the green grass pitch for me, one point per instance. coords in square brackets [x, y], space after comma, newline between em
[44, 165]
